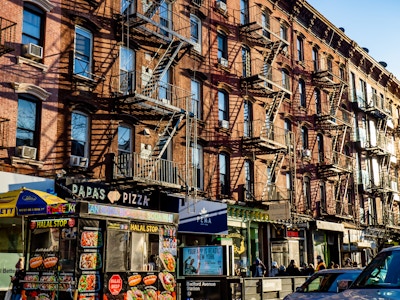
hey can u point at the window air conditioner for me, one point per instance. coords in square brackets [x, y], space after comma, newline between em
[223, 62]
[79, 161]
[306, 153]
[27, 152]
[224, 124]
[32, 51]
[221, 6]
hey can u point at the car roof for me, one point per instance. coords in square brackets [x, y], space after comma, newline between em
[341, 270]
[393, 248]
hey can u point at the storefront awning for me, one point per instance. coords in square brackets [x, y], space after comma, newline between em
[331, 226]
[202, 216]
[29, 202]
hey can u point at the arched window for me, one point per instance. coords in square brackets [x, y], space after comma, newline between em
[302, 93]
[300, 48]
[304, 137]
[315, 58]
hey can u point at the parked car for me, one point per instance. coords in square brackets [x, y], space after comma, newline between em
[379, 280]
[323, 283]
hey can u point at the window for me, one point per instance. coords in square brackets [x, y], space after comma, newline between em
[317, 98]
[32, 25]
[304, 137]
[315, 58]
[248, 118]
[27, 122]
[283, 32]
[222, 46]
[165, 17]
[197, 161]
[246, 61]
[249, 180]
[164, 92]
[353, 89]
[79, 134]
[224, 173]
[300, 49]
[244, 12]
[307, 191]
[285, 79]
[322, 196]
[265, 23]
[196, 98]
[302, 93]
[124, 149]
[126, 65]
[195, 32]
[83, 52]
[320, 142]
[223, 106]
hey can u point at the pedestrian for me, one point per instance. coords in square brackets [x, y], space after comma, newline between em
[16, 280]
[282, 271]
[258, 268]
[309, 270]
[293, 269]
[332, 265]
[321, 265]
[274, 269]
[348, 263]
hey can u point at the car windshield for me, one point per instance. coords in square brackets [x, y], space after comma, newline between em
[327, 282]
[382, 272]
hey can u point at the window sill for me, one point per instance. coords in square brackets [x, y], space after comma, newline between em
[26, 161]
[23, 60]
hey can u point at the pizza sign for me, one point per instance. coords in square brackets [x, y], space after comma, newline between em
[115, 284]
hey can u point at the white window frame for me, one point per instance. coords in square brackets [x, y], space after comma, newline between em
[87, 72]
[81, 137]
[196, 98]
[126, 66]
[195, 21]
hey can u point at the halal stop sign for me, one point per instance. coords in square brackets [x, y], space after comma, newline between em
[115, 284]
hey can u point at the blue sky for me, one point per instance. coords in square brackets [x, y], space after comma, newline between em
[373, 24]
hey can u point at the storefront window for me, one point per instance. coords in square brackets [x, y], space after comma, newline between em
[117, 246]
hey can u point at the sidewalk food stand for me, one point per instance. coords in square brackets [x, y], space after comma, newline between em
[102, 251]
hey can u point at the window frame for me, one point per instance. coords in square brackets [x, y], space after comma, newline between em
[304, 137]
[222, 42]
[300, 48]
[223, 105]
[195, 22]
[223, 159]
[85, 34]
[248, 179]
[246, 61]
[198, 166]
[40, 14]
[85, 139]
[129, 55]
[302, 93]
[35, 132]
[196, 91]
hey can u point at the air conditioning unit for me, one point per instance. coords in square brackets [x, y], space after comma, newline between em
[223, 62]
[27, 152]
[223, 124]
[306, 153]
[32, 51]
[164, 100]
[197, 48]
[79, 161]
[221, 6]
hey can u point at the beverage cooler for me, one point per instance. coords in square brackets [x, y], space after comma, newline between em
[107, 254]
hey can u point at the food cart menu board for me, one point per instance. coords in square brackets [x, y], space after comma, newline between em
[89, 260]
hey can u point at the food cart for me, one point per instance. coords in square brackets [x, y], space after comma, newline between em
[102, 251]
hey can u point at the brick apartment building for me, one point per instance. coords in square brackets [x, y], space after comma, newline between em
[266, 107]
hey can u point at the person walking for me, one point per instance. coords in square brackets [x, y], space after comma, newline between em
[258, 268]
[293, 269]
[274, 269]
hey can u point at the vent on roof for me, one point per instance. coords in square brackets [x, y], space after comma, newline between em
[383, 64]
[366, 49]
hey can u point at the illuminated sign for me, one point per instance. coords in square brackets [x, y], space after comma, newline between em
[61, 208]
[52, 223]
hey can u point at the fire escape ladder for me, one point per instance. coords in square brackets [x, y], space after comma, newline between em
[335, 97]
[272, 50]
[274, 106]
[275, 166]
[166, 136]
[163, 65]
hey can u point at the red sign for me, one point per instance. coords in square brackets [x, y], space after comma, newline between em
[115, 284]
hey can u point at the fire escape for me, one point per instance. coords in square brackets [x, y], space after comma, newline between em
[7, 40]
[335, 121]
[148, 95]
[264, 85]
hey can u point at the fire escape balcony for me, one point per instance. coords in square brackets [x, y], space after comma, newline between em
[380, 145]
[264, 80]
[327, 120]
[334, 163]
[144, 169]
[155, 24]
[255, 29]
[262, 138]
[137, 93]
[7, 36]
[385, 184]
[377, 107]
[327, 74]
